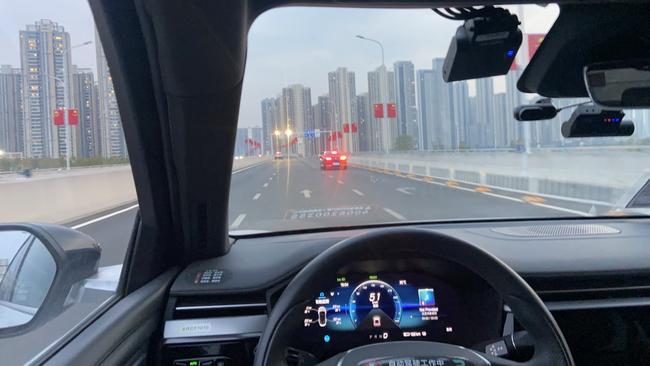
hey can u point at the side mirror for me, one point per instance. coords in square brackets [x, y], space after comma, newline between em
[42, 272]
[619, 84]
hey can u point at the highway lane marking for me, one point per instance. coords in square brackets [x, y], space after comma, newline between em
[482, 189]
[358, 193]
[270, 178]
[248, 167]
[256, 196]
[265, 185]
[533, 199]
[306, 193]
[394, 214]
[238, 221]
[502, 196]
[97, 219]
[568, 210]
[405, 190]
[340, 182]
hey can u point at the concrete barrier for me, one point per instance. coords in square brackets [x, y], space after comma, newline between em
[55, 196]
[598, 176]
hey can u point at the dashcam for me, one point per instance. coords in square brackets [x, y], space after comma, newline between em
[593, 121]
[483, 47]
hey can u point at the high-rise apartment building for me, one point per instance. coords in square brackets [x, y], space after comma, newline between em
[484, 113]
[12, 137]
[407, 115]
[381, 90]
[342, 92]
[113, 143]
[296, 116]
[45, 64]
[84, 98]
[270, 122]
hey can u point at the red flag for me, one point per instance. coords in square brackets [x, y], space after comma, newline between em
[73, 117]
[339, 134]
[346, 128]
[354, 128]
[392, 110]
[379, 110]
[58, 117]
[534, 41]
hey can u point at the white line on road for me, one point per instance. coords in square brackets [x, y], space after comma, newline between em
[358, 193]
[339, 182]
[265, 185]
[306, 193]
[256, 196]
[464, 189]
[248, 167]
[238, 221]
[103, 217]
[502, 196]
[270, 178]
[405, 190]
[394, 214]
[575, 212]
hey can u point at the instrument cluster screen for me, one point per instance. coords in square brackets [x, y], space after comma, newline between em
[368, 308]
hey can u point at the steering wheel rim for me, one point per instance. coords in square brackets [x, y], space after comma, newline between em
[550, 346]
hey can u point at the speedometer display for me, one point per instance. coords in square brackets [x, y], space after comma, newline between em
[373, 304]
[380, 307]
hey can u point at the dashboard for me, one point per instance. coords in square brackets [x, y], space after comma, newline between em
[595, 285]
[428, 300]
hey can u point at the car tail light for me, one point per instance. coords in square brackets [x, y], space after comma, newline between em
[328, 158]
[334, 152]
[343, 157]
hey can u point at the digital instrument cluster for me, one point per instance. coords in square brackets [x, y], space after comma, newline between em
[366, 308]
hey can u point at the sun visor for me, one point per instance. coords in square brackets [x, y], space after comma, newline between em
[581, 35]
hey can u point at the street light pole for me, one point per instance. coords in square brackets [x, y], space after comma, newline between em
[378, 43]
[66, 105]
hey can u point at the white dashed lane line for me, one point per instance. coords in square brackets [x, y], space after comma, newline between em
[238, 221]
[339, 182]
[394, 214]
[256, 196]
[358, 193]
[265, 185]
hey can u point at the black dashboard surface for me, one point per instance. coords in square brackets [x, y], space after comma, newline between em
[612, 251]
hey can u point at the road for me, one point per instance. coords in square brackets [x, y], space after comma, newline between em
[295, 194]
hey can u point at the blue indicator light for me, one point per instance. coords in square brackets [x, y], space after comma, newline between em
[510, 53]
[326, 338]
[322, 294]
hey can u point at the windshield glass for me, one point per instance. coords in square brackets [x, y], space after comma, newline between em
[345, 120]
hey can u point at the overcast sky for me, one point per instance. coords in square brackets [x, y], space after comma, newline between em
[286, 45]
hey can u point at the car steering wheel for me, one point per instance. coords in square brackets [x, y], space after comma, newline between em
[526, 306]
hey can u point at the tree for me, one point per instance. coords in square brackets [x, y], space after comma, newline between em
[404, 143]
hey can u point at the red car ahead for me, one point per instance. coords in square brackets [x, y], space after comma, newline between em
[332, 159]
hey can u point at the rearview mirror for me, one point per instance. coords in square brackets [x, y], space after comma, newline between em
[620, 84]
[42, 269]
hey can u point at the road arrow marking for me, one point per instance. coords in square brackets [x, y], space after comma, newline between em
[306, 193]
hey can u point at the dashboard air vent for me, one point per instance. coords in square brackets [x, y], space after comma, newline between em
[210, 306]
[551, 231]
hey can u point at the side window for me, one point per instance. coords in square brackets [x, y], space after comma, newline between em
[64, 161]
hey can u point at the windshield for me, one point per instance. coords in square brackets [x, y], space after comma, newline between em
[345, 120]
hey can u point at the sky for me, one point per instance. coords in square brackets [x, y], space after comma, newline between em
[286, 45]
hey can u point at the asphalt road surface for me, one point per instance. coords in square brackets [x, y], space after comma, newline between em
[294, 194]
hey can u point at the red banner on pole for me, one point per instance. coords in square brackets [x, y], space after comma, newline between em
[354, 128]
[392, 110]
[534, 41]
[58, 117]
[379, 110]
[346, 128]
[73, 117]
